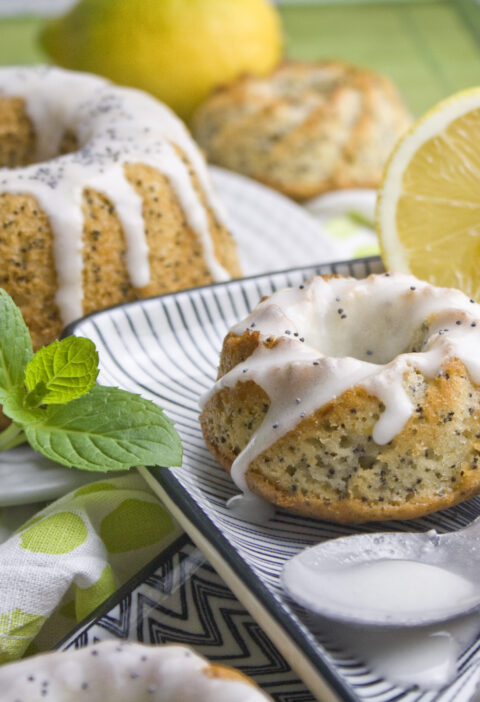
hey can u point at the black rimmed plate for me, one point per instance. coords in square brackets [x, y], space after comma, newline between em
[179, 598]
[167, 349]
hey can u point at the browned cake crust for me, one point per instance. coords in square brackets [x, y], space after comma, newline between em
[217, 671]
[304, 129]
[330, 467]
[26, 241]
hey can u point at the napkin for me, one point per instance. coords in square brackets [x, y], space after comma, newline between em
[347, 218]
[72, 555]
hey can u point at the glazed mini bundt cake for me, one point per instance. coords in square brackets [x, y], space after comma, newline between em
[126, 672]
[304, 129]
[104, 198]
[352, 400]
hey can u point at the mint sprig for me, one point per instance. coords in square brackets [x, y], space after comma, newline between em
[61, 372]
[55, 404]
[15, 346]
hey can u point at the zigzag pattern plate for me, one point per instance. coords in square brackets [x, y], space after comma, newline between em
[179, 598]
[167, 349]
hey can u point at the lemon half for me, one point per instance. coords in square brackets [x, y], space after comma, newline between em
[428, 206]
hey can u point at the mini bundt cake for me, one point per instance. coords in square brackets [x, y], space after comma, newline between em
[304, 129]
[125, 672]
[104, 198]
[352, 400]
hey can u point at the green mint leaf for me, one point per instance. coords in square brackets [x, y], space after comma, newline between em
[107, 429]
[61, 372]
[12, 436]
[34, 398]
[13, 405]
[15, 346]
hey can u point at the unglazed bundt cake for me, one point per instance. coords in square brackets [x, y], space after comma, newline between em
[352, 400]
[126, 672]
[304, 129]
[104, 198]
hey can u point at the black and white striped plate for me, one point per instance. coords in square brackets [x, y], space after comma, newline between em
[180, 598]
[167, 349]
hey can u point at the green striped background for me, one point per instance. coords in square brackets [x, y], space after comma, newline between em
[430, 48]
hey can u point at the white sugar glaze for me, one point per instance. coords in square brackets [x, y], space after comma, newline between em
[124, 672]
[337, 333]
[381, 586]
[424, 656]
[113, 126]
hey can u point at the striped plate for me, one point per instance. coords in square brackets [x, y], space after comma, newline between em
[179, 598]
[167, 349]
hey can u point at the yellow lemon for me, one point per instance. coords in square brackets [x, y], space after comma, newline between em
[428, 208]
[178, 50]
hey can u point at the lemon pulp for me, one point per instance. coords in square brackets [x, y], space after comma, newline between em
[428, 210]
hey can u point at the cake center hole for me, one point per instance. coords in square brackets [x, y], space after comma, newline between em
[374, 338]
[21, 145]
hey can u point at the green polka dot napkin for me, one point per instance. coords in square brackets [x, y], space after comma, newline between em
[347, 218]
[72, 555]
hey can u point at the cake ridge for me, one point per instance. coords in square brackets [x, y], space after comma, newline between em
[378, 362]
[114, 126]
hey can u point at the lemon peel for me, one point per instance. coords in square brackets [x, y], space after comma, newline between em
[178, 50]
[428, 206]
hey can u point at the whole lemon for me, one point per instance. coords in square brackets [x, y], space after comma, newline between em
[178, 50]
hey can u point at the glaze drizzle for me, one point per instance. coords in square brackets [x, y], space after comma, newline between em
[334, 334]
[114, 126]
[124, 671]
